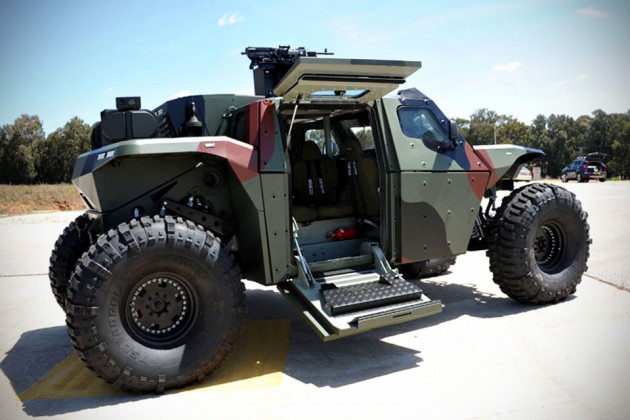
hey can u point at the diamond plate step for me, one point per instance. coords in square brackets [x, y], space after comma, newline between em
[340, 300]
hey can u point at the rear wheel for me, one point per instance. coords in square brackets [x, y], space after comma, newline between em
[539, 244]
[155, 304]
[70, 245]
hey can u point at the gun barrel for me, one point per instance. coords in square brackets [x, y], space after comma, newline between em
[271, 64]
[284, 54]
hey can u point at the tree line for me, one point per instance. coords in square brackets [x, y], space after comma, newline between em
[28, 156]
[561, 137]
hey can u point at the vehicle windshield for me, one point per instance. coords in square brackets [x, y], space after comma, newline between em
[419, 123]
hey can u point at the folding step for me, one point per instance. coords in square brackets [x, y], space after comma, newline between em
[354, 301]
[341, 296]
[356, 297]
[361, 315]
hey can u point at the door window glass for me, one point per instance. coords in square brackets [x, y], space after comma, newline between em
[420, 123]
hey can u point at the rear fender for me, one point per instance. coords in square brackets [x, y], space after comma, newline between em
[139, 174]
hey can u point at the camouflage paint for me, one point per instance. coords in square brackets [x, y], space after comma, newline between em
[505, 159]
[431, 197]
[439, 192]
[132, 174]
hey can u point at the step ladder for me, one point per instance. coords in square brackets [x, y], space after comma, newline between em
[361, 293]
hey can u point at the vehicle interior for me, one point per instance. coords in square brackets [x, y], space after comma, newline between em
[334, 179]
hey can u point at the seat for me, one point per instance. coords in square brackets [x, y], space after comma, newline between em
[315, 180]
[364, 181]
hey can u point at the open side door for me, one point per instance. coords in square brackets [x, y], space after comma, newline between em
[339, 79]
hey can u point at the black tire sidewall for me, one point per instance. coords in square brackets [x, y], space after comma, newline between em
[212, 301]
[574, 253]
[69, 247]
[512, 244]
[121, 262]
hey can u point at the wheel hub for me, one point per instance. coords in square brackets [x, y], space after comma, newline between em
[548, 246]
[159, 307]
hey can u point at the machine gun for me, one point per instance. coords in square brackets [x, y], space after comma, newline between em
[271, 64]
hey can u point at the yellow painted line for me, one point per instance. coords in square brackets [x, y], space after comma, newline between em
[257, 361]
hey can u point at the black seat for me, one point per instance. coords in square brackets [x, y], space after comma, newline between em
[315, 180]
[364, 180]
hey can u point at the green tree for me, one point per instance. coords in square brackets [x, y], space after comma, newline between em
[561, 137]
[17, 140]
[619, 164]
[600, 135]
[539, 139]
[560, 129]
[512, 131]
[481, 129]
[57, 154]
[463, 126]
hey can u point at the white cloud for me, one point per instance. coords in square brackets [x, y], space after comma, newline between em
[511, 66]
[592, 13]
[181, 94]
[230, 19]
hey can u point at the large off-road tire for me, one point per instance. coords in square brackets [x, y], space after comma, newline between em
[70, 245]
[155, 304]
[539, 244]
[430, 268]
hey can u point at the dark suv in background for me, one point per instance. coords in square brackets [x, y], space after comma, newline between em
[585, 168]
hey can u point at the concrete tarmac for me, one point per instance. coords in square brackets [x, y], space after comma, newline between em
[484, 356]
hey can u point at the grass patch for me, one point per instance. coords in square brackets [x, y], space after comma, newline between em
[16, 199]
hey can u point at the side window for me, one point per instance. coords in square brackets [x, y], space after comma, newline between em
[317, 136]
[419, 123]
[364, 135]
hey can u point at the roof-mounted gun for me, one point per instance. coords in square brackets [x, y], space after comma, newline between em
[271, 64]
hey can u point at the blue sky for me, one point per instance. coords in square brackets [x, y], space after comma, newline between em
[523, 58]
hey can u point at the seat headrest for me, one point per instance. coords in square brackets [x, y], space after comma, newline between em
[354, 151]
[310, 151]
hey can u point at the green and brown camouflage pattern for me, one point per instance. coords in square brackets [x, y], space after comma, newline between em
[431, 199]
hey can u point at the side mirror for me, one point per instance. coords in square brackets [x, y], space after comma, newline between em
[453, 133]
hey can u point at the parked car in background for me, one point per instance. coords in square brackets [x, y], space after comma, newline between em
[586, 168]
[523, 175]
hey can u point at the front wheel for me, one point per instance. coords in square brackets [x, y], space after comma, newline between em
[429, 268]
[564, 178]
[155, 304]
[539, 244]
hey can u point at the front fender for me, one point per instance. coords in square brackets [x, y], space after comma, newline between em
[504, 160]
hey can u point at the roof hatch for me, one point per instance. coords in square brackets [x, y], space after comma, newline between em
[339, 79]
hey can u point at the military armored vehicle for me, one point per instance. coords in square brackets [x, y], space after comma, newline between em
[318, 184]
